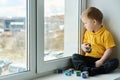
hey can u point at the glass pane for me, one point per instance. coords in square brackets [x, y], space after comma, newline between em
[53, 29]
[13, 37]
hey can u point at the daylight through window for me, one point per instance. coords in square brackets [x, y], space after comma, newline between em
[13, 37]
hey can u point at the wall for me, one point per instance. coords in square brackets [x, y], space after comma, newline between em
[111, 11]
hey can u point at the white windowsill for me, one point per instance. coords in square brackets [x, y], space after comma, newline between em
[110, 76]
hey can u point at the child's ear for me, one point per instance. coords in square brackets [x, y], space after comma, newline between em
[94, 21]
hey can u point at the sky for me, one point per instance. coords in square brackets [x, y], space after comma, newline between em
[54, 7]
[12, 8]
[17, 8]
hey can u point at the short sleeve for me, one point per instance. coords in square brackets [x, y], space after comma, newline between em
[108, 41]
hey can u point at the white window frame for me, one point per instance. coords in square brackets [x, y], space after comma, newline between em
[81, 28]
[32, 47]
[36, 39]
[72, 14]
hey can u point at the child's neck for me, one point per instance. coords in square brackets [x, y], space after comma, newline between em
[97, 27]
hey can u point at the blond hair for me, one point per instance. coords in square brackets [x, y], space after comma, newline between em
[93, 13]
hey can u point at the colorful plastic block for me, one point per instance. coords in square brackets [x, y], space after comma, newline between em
[84, 74]
[71, 70]
[59, 71]
[78, 73]
[68, 73]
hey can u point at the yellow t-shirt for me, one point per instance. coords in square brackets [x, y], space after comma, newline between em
[100, 41]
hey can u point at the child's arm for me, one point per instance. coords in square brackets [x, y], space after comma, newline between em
[106, 55]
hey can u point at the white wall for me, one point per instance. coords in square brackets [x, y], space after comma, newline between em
[111, 12]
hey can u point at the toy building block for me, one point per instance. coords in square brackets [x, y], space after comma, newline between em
[88, 49]
[71, 70]
[78, 73]
[59, 71]
[84, 74]
[68, 73]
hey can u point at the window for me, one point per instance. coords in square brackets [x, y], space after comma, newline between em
[13, 37]
[17, 34]
[26, 26]
[53, 29]
[57, 32]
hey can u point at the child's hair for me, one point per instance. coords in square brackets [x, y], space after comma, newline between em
[94, 13]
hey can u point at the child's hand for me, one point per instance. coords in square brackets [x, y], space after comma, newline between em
[98, 63]
[86, 47]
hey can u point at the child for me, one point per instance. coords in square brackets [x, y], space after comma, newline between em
[97, 45]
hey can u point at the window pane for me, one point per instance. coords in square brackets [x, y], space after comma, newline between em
[53, 29]
[13, 37]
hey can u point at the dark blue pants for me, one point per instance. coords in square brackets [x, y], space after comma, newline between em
[85, 63]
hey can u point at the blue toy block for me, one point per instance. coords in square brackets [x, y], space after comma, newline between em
[68, 73]
[59, 71]
[71, 70]
[88, 49]
[84, 74]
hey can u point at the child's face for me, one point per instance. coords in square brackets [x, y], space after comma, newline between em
[88, 23]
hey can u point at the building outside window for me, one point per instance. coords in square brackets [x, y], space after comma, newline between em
[57, 32]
